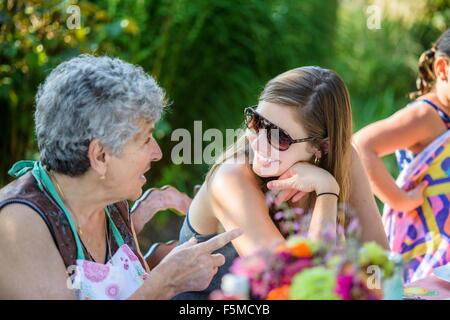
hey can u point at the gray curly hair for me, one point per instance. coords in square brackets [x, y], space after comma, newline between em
[91, 97]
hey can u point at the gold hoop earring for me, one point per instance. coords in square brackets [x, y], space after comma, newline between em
[316, 161]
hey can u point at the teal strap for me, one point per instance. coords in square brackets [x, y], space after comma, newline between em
[43, 179]
[41, 175]
[23, 166]
[20, 168]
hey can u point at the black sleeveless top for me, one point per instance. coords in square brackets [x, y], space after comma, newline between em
[228, 251]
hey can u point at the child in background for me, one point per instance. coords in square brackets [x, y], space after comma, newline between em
[416, 215]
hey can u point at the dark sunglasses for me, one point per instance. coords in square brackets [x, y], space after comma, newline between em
[277, 137]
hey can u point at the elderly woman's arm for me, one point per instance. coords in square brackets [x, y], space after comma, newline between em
[363, 202]
[30, 265]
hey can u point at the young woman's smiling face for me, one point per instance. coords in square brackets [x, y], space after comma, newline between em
[268, 161]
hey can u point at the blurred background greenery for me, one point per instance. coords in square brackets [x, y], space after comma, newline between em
[212, 57]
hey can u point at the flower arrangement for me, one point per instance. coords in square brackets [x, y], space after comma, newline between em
[312, 270]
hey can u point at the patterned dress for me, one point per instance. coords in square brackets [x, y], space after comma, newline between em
[404, 157]
[422, 235]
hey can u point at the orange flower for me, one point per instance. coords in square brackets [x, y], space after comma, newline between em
[281, 293]
[301, 250]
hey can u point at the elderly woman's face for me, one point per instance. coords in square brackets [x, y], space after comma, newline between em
[127, 170]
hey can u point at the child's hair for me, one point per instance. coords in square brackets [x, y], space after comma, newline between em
[427, 78]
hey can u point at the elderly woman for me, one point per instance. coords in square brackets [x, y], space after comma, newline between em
[67, 215]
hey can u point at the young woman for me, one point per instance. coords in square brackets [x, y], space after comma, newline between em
[417, 216]
[297, 144]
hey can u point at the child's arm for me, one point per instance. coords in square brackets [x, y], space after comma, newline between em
[409, 127]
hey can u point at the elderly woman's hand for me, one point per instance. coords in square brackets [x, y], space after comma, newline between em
[191, 266]
[155, 200]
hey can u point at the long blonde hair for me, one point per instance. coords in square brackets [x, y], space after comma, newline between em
[324, 109]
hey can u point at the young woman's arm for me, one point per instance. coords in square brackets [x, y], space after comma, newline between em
[237, 201]
[362, 201]
[411, 126]
[303, 178]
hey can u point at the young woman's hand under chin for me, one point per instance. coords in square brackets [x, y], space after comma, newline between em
[300, 179]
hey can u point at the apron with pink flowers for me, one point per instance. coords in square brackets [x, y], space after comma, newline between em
[422, 235]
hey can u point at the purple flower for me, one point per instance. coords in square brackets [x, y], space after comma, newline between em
[249, 266]
[284, 256]
[270, 199]
[344, 286]
[298, 211]
[292, 269]
[280, 215]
